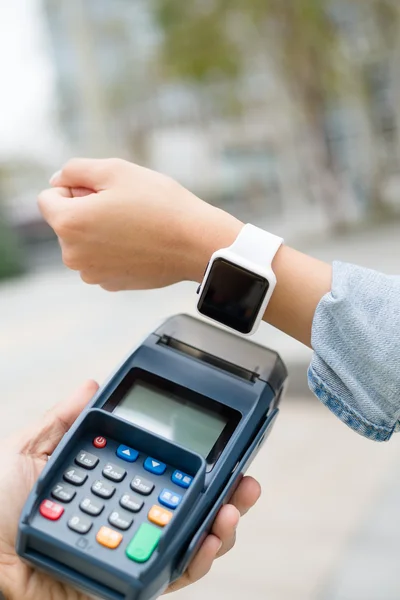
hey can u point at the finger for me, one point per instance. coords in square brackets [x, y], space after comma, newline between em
[246, 495]
[79, 192]
[57, 208]
[200, 565]
[58, 420]
[53, 202]
[224, 527]
[93, 174]
[116, 285]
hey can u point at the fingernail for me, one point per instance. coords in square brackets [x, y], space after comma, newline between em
[54, 177]
[219, 547]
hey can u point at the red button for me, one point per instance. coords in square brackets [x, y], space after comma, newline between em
[99, 442]
[51, 510]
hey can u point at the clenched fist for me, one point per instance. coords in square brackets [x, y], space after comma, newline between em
[126, 227]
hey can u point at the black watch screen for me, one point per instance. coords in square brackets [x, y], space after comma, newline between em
[232, 295]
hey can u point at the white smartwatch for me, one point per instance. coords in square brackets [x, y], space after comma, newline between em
[239, 281]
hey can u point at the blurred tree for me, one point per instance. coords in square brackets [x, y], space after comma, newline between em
[11, 254]
[206, 40]
[11, 260]
[384, 117]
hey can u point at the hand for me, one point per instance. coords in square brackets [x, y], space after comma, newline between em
[126, 227]
[26, 454]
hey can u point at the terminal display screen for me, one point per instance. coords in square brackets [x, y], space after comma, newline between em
[182, 416]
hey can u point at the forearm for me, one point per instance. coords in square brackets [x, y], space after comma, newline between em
[301, 283]
[301, 280]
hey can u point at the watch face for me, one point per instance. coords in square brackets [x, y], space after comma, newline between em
[232, 295]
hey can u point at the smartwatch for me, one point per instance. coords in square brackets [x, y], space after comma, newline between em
[239, 281]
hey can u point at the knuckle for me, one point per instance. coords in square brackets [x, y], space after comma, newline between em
[42, 202]
[41, 199]
[89, 277]
[69, 224]
[109, 287]
[63, 226]
[70, 259]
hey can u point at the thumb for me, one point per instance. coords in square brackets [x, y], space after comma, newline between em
[45, 438]
[90, 173]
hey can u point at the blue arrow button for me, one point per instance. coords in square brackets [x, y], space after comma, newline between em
[154, 466]
[126, 453]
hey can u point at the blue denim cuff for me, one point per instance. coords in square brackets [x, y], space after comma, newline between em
[377, 433]
[355, 368]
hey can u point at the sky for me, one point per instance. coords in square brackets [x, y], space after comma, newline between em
[26, 83]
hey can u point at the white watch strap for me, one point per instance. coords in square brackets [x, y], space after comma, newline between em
[256, 245]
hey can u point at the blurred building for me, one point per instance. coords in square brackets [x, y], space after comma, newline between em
[115, 100]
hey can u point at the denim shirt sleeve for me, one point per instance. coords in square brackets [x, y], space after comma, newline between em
[355, 368]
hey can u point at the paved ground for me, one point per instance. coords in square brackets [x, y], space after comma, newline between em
[319, 528]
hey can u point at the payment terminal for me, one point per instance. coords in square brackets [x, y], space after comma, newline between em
[131, 491]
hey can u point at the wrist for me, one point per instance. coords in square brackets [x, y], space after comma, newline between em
[211, 231]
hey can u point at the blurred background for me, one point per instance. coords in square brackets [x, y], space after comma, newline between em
[286, 114]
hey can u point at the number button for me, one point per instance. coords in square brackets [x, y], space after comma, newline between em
[86, 460]
[120, 519]
[131, 502]
[75, 476]
[169, 499]
[109, 538]
[141, 485]
[62, 492]
[181, 479]
[114, 473]
[91, 506]
[154, 466]
[50, 510]
[80, 524]
[159, 516]
[103, 489]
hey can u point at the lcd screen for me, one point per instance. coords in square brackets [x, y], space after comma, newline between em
[179, 420]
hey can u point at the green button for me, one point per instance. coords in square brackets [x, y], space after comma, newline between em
[144, 543]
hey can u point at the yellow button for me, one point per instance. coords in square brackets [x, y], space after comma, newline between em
[109, 538]
[159, 516]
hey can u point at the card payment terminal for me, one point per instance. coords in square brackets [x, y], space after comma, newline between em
[133, 488]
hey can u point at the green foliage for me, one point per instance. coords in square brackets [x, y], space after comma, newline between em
[204, 38]
[11, 261]
[387, 13]
[197, 45]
